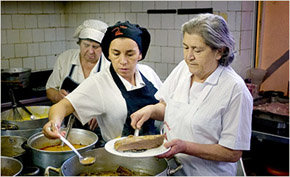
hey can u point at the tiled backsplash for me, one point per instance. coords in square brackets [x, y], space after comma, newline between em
[34, 33]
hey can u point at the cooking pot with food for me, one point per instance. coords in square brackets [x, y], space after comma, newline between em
[11, 146]
[44, 158]
[108, 164]
[10, 166]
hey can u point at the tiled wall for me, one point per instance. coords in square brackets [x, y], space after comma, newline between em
[34, 33]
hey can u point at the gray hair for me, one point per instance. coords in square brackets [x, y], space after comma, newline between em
[214, 30]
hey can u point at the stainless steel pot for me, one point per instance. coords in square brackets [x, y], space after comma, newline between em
[106, 161]
[10, 166]
[11, 146]
[23, 133]
[15, 78]
[43, 159]
[38, 111]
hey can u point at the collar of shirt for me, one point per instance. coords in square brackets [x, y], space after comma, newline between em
[213, 78]
[138, 80]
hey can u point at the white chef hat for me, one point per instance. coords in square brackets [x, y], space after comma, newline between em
[91, 29]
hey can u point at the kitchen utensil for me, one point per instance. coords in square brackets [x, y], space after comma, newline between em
[32, 117]
[136, 133]
[110, 162]
[10, 166]
[83, 160]
[69, 126]
[16, 115]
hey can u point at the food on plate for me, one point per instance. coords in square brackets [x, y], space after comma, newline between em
[132, 143]
[61, 148]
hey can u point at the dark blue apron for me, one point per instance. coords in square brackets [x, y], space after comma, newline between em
[135, 100]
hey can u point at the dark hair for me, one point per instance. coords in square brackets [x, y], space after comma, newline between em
[214, 30]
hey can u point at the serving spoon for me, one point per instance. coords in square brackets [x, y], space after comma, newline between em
[83, 160]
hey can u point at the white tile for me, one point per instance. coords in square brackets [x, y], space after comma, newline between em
[242, 63]
[29, 63]
[125, 6]
[203, 4]
[174, 38]
[33, 49]
[80, 18]
[54, 21]
[94, 7]
[5, 64]
[69, 32]
[155, 53]
[188, 4]
[10, 7]
[62, 20]
[161, 5]
[148, 5]
[238, 21]
[13, 36]
[18, 21]
[104, 6]
[38, 35]
[179, 20]
[154, 21]
[119, 17]
[231, 20]
[161, 70]
[23, 7]
[167, 21]
[30, 21]
[45, 48]
[25, 35]
[131, 17]
[20, 50]
[36, 7]
[115, 6]
[142, 19]
[40, 63]
[234, 5]
[248, 5]
[247, 21]
[170, 68]
[219, 5]
[43, 21]
[6, 21]
[15, 63]
[60, 34]
[152, 36]
[161, 37]
[109, 19]
[51, 61]
[174, 4]
[59, 7]
[246, 40]
[148, 63]
[71, 20]
[84, 6]
[76, 6]
[49, 34]
[3, 37]
[237, 39]
[57, 47]
[167, 54]
[7, 51]
[178, 52]
[136, 6]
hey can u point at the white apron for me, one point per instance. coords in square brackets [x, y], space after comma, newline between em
[180, 124]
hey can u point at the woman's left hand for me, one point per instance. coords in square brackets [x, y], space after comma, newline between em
[177, 146]
[93, 124]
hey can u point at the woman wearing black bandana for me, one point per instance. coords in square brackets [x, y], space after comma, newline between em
[114, 94]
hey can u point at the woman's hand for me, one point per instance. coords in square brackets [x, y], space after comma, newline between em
[141, 116]
[93, 124]
[51, 130]
[176, 145]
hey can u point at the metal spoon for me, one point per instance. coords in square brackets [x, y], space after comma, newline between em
[83, 160]
[136, 133]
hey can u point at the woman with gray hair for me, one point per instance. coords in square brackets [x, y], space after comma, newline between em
[205, 105]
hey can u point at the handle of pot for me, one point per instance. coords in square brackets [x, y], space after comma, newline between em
[30, 171]
[178, 163]
[46, 172]
[8, 126]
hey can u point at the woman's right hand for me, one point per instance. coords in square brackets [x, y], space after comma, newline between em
[51, 130]
[139, 117]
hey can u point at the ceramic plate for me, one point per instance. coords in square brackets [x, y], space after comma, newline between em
[147, 153]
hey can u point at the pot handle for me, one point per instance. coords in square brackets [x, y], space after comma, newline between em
[178, 164]
[57, 170]
[30, 171]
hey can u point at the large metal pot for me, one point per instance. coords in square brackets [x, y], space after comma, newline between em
[41, 112]
[11, 146]
[10, 166]
[43, 159]
[106, 161]
[23, 133]
[15, 78]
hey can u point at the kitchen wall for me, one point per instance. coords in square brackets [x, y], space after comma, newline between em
[34, 33]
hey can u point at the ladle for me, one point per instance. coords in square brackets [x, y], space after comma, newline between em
[83, 160]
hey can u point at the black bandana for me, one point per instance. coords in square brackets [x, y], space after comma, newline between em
[125, 29]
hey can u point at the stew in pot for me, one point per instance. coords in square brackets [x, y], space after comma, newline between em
[121, 171]
[62, 148]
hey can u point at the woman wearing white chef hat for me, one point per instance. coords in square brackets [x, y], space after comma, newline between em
[75, 65]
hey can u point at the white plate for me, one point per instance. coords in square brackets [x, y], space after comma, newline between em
[148, 153]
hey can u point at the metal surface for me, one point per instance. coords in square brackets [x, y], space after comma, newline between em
[15, 78]
[11, 146]
[44, 159]
[109, 162]
[69, 126]
[10, 165]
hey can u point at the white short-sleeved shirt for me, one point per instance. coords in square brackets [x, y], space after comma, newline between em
[63, 66]
[223, 117]
[98, 96]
